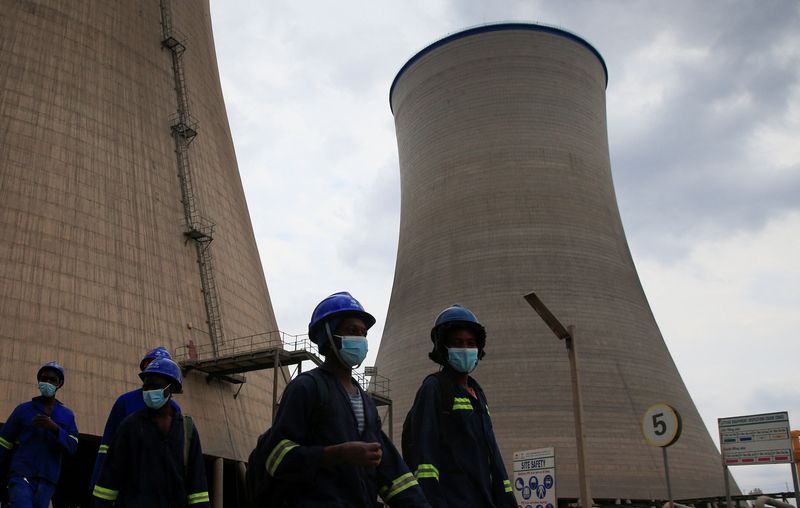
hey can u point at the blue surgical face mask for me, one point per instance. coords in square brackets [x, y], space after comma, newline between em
[463, 359]
[354, 350]
[155, 399]
[47, 390]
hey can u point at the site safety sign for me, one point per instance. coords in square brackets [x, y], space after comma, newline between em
[755, 439]
[534, 478]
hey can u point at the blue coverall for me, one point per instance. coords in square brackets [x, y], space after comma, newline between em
[296, 447]
[36, 461]
[455, 456]
[144, 467]
[126, 404]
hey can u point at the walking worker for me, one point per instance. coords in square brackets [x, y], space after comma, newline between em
[126, 404]
[155, 458]
[37, 434]
[326, 447]
[448, 439]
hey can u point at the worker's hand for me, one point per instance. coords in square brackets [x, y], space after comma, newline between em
[44, 422]
[356, 453]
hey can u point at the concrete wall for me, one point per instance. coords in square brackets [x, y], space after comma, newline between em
[95, 267]
[507, 189]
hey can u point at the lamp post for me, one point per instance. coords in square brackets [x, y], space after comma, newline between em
[567, 334]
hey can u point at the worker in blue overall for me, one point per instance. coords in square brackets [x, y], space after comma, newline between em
[326, 446]
[448, 439]
[126, 404]
[155, 459]
[38, 434]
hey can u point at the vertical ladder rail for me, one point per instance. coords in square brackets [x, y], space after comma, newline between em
[196, 228]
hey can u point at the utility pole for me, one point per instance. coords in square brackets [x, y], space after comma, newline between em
[567, 334]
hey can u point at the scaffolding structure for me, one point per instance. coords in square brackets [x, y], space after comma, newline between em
[270, 350]
[197, 228]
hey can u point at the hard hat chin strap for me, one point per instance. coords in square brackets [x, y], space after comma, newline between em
[333, 345]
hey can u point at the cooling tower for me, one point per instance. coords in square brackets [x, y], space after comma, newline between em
[506, 189]
[118, 169]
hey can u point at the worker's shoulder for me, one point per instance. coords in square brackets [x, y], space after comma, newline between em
[63, 409]
[25, 406]
[312, 379]
[432, 384]
[131, 395]
[22, 408]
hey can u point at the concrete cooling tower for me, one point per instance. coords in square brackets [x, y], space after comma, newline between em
[507, 189]
[117, 170]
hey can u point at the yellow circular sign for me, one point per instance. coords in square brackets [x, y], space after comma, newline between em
[661, 425]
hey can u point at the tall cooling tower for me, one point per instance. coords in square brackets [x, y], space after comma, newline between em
[117, 169]
[507, 189]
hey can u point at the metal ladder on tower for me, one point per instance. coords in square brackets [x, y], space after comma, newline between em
[196, 227]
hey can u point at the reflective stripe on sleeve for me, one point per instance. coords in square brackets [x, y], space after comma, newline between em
[103, 448]
[6, 444]
[398, 485]
[462, 403]
[104, 493]
[507, 485]
[74, 437]
[280, 451]
[197, 497]
[427, 471]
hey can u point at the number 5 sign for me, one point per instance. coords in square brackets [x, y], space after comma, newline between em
[661, 425]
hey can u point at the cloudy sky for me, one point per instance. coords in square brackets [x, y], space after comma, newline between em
[704, 133]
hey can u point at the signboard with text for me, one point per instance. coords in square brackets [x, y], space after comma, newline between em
[534, 478]
[755, 439]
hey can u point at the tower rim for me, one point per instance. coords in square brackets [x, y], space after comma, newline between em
[494, 27]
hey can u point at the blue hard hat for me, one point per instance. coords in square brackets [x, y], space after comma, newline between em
[458, 314]
[455, 316]
[332, 308]
[155, 354]
[55, 366]
[165, 367]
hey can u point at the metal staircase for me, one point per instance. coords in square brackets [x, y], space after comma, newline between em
[271, 350]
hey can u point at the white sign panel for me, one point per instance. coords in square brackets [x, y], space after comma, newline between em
[755, 439]
[534, 478]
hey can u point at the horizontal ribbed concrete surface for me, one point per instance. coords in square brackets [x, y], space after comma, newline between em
[95, 267]
[507, 189]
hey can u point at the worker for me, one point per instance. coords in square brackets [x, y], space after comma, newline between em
[155, 458]
[326, 446]
[448, 439]
[38, 434]
[126, 404]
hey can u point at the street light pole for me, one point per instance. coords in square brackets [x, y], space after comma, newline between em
[567, 334]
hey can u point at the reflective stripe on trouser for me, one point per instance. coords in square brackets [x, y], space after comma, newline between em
[462, 403]
[427, 471]
[197, 497]
[280, 451]
[397, 486]
[6, 444]
[103, 448]
[104, 493]
[507, 485]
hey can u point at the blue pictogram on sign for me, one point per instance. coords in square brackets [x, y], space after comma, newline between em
[535, 486]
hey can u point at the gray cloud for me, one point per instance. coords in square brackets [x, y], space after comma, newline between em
[703, 112]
